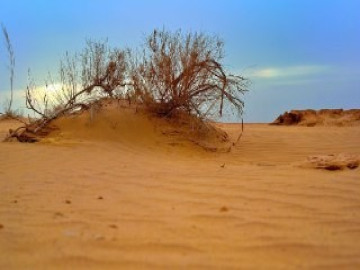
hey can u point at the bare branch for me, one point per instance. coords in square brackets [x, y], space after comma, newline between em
[183, 72]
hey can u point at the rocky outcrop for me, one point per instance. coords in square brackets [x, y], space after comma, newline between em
[331, 117]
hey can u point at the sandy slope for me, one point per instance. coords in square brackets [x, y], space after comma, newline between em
[84, 203]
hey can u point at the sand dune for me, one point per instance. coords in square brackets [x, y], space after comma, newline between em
[142, 200]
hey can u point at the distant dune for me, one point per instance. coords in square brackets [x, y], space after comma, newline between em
[325, 117]
[117, 189]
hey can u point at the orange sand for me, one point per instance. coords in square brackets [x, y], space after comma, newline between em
[141, 201]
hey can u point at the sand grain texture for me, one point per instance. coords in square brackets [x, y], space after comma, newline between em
[77, 201]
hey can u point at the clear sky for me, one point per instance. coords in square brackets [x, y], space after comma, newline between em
[297, 53]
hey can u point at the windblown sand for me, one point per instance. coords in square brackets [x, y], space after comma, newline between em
[140, 201]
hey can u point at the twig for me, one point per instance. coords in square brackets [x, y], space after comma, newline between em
[240, 135]
[10, 50]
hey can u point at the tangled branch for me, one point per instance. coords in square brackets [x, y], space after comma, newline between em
[184, 72]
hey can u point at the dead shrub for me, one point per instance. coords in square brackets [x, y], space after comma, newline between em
[98, 71]
[177, 75]
[184, 72]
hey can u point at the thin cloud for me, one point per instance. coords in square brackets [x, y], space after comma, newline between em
[19, 95]
[287, 72]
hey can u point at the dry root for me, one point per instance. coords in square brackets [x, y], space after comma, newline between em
[334, 162]
[29, 133]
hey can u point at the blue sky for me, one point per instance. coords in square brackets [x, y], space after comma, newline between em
[297, 53]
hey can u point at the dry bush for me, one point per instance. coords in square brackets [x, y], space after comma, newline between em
[175, 75]
[9, 112]
[184, 72]
[96, 72]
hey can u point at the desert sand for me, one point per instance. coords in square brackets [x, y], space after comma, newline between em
[120, 195]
